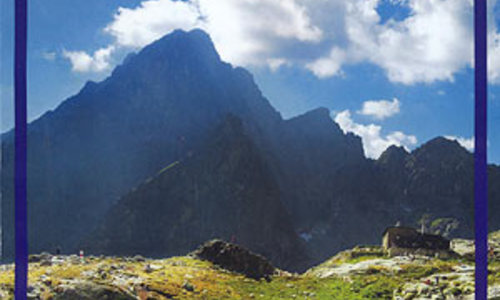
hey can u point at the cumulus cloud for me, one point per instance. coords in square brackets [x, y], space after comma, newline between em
[494, 57]
[432, 43]
[276, 63]
[467, 143]
[244, 32]
[330, 65]
[374, 142]
[380, 109]
[83, 62]
[137, 27]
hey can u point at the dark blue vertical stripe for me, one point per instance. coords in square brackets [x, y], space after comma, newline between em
[21, 271]
[481, 177]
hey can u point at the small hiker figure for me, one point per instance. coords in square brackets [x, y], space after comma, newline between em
[58, 251]
[81, 255]
[437, 280]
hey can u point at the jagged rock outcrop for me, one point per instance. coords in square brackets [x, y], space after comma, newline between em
[235, 258]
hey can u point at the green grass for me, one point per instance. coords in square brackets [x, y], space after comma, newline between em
[211, 282]
[301, 287]
[494, 272]
[418, 271]
[170, 277]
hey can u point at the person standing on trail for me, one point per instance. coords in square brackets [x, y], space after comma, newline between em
[81, 255]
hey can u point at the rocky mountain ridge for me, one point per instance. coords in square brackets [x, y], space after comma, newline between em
[148, 135]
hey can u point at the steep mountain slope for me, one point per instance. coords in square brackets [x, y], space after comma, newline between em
[311, 151]
[436, 182]
[268, 181]
[225, 190]
[114, 134]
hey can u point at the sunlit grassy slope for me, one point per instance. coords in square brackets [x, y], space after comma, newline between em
[360, 273]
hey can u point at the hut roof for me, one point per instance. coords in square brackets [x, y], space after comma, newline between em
[407, 237]
[399, 227]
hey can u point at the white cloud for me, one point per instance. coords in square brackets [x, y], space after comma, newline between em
[493, 45]
[467, 143]
[83, 62]
[374, 143]
[276, 63]
[244, 32]
[328, 66]
[433, 43]
[380, 109]
[137, 27]
[250, 31]
[494, 57]
[49, 55]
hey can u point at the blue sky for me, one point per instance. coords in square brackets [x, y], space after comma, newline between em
[392, 71]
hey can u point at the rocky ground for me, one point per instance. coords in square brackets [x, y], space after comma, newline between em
[224, 271]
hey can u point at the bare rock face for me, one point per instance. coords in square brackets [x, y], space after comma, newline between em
[225, 190]
[235, 258]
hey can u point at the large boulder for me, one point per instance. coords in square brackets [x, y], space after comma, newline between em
[235, 258]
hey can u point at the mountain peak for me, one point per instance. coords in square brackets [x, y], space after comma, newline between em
[315, 114]
[195, 42]
[441, 151]
[395, 154]
[89, 86]
[442, 145]
[177, 50]
[319, 114]
[179, 35]
[194, 33]
[319, 119]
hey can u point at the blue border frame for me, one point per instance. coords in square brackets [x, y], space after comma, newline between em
[480, 151]
[20, 93]
[480, 154]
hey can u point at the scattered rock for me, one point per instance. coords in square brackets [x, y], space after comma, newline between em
[46, 280]
[149, 268]
[138, 258]
[74, 259]
[35, 258]
[91, 291]
[46, 263]
[188, 286]
[235, 258]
